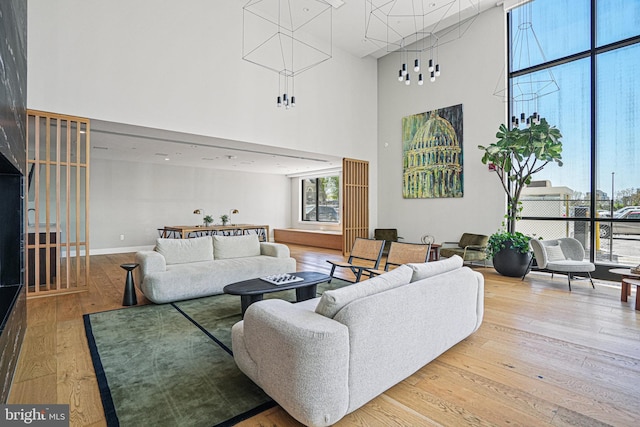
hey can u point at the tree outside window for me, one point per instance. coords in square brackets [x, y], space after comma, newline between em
[321, 199]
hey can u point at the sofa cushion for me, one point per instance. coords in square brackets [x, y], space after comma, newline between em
[554, 253]
[226, 247]
[181, 251]
[332, 302]
[429, 269]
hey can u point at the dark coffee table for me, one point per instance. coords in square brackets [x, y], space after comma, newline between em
[253, 290]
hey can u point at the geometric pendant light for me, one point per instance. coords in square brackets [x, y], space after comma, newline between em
[287, 37]
[416, 29]
[526, 90]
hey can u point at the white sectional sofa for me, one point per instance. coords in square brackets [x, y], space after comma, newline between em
[179, 269]
[324, 358]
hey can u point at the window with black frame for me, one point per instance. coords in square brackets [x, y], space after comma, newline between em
[321, 199]
[595, 103]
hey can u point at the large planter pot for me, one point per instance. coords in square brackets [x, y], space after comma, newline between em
[512, 263]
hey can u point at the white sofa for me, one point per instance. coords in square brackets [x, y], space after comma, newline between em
[179, 269]
[324, 358]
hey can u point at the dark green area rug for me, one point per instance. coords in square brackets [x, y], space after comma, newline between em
[171, 364]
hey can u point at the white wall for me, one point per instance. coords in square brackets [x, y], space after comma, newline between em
[135, 199]
[178, 66]
[471, 66]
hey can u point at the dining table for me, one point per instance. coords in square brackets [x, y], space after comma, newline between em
[190, 231]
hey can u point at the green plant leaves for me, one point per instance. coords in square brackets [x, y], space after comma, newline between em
[520, 153]
[504, 239]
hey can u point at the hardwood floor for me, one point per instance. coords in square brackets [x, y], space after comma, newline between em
[543, 356]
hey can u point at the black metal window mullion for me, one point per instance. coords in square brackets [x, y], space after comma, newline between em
[509, 73]
[591, 53]
[303, 198]
[594, 151]
[317, 201]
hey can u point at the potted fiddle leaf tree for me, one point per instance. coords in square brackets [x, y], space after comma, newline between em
[516, 156]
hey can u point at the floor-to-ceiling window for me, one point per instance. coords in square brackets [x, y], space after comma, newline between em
[576, 63]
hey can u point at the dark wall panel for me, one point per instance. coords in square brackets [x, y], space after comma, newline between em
[13, 81]
[11, 230]
[13, 119]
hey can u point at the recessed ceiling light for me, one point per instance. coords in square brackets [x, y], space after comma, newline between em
[166, 158]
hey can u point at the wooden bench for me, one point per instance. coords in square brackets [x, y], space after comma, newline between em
[316, 238]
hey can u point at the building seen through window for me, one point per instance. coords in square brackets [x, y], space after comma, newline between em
[321, 199]
[595, 195]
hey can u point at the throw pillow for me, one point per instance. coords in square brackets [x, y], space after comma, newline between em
[554, 253]
[332, 302]
[225, 247]
[429, 269]
[181, 251]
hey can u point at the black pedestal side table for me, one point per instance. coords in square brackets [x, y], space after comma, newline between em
[129, 289]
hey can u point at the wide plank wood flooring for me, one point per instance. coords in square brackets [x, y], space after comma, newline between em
[543, 356]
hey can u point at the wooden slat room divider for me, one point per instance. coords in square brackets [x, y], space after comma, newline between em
[57, 204]
[355, 201]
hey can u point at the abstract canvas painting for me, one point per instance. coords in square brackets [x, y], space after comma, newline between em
[432, 154]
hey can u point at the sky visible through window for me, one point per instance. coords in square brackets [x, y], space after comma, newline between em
[560, 28]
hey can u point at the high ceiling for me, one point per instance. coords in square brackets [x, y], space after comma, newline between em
[350, 18]
[117, 141]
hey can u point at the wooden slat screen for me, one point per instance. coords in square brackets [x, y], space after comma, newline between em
[57, 204]
[355, 201]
